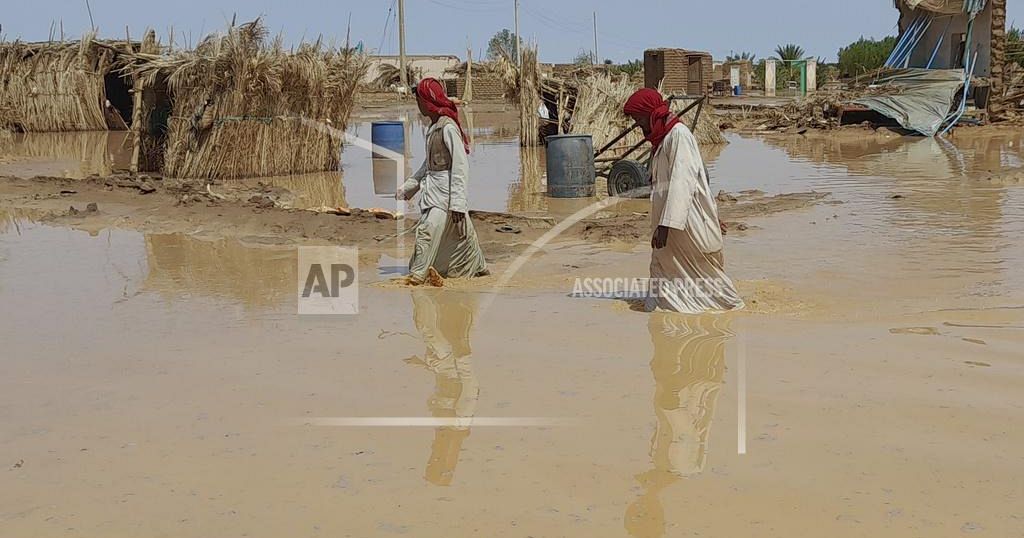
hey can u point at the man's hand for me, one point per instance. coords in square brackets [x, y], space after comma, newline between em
[459, 219]
[660, 238]
[400, 195]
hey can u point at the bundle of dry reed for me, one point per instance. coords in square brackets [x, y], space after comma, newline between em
[598, 112]
[56, 86]
[529, 98]
[7, 121]
[242, 106]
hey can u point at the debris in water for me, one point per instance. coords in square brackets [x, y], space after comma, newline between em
[927, 331]
[342, 211]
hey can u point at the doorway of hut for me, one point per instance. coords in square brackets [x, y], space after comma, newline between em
[118, 91]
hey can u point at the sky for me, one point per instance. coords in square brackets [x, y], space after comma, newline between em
[561, 28]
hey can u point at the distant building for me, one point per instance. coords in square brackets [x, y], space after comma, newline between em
[427, 65]
[735, 73]
[678, 71]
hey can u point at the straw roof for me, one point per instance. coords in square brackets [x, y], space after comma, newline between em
[242, 105]
[57, 85]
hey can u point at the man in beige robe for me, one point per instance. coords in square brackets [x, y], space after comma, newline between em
[687, 266]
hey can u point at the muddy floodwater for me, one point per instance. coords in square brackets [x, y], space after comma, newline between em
[163, 385]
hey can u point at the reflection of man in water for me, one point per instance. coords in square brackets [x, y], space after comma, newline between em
[688, 368]
[444, 320]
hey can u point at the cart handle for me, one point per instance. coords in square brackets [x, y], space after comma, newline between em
[699, 101]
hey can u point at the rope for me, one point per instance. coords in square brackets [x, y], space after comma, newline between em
[262, 119]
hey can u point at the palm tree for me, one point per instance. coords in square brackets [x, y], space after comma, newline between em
[733, 57]
[789, 53]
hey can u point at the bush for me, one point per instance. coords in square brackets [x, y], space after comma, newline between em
[864, 55]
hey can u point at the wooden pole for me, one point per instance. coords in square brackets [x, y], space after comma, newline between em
[404, 77]
[467, 92]
[519, 58]
[348, 32]
[137, 128]
[597, 56]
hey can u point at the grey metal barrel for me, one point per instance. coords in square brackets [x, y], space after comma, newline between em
[570, 165]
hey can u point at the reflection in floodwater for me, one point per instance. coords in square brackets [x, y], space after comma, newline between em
[180, 265]
[11, 218]
[311, 191]
[528, 194]
[689, 368]
[444, 321]
[72, 155]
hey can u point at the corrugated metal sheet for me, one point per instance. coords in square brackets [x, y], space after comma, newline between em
[924, 101]
[946, 6]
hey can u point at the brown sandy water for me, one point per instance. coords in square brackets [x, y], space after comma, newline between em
[163, 385]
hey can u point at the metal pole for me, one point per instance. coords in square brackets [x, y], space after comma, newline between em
[401, 45]
[519, 59]
[597, 57]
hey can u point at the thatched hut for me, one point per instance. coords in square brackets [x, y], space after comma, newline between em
[239, 105]
[65, 85]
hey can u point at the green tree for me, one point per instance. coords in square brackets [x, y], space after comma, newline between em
[787, 71]
[733, 57]
[790, 52]
[503, 42]
[584, 57]
[864, 55]
[1014, 46]
[630, 68]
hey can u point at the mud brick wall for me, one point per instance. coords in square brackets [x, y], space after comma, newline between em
[672, 68]
[485, 88]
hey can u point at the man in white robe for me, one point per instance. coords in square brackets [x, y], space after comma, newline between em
[445, 238]
[687, 266]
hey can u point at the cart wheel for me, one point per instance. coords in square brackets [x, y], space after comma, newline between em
[629, 179]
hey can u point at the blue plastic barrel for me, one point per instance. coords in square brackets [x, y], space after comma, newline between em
[389, 135]
[737, 90]
[570, 166]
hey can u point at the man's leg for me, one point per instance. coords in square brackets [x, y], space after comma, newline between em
[429, 236]
[460, 256]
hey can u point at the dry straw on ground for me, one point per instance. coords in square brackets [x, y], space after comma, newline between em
[240, 105]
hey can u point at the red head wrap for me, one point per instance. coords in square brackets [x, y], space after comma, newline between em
[648, 101]
[431, 93]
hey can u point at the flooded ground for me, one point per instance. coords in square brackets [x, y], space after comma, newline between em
[161, 383]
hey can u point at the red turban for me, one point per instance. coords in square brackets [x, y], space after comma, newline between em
[648, 101]
[431, 93]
